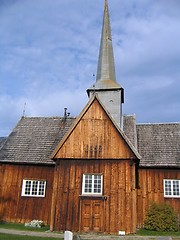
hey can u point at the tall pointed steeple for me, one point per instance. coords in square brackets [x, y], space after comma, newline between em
[106, 68]
[105, 77]
[109, 91]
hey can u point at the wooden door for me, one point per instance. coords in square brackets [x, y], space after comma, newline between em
[92, 215]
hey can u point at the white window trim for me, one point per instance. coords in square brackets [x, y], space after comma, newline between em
[33, 195]
[92, 193]
[172, 194]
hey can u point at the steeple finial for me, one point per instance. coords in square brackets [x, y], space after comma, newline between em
[106, 67]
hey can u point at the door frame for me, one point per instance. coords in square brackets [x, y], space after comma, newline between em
[93, 199]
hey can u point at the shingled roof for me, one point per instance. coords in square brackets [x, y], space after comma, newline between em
[159, 144]
[34, 139]
[129, 128]
[2, 140]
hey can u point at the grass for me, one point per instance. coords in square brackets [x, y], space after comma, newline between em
[144, 232]
[17, 237]
[20, 226]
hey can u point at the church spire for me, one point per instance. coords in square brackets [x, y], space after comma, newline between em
[108, 90]
[106, 68]
[105, 77]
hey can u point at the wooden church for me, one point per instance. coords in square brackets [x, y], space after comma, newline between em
[95, 173]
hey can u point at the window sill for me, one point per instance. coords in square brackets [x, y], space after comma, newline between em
[172, 197]
[103, 197]
[32, 196]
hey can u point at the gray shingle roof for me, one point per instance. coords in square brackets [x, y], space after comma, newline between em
[129, 128]
[34, 139]
[2, 141]
[159, 144]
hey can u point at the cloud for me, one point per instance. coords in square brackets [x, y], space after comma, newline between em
[148, 53]
[49, 53]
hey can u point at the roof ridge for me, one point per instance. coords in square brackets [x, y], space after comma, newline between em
[161, 123]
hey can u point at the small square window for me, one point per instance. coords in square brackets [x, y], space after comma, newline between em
[92, 184]
[33, 188]
[171, 188]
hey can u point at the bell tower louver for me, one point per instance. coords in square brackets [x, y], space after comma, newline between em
[108, 90]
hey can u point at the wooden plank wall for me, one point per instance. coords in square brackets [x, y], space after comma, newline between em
[119, 189]
[151, 190]
[94, 137]
[14, 207]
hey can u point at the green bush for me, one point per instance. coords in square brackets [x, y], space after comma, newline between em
[161, 217]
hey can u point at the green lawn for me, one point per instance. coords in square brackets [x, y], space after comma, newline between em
[143, 232]
[20, 226]
[17, 226]
[17, 237]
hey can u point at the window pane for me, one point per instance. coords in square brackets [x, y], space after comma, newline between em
[28, 188]
[176, 188]
[97, 184]
[41, 187]
[88, 184]
[168, 188]
[34, 187]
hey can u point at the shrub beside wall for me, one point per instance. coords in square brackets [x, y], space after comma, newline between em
[161, 217]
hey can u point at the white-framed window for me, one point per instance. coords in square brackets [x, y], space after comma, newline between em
[172, 188]
[33, 188]
[92, 184]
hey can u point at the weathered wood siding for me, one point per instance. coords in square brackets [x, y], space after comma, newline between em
[94, 136]
[94, 145]
[151, 190]
[17, 208]
[118, 201]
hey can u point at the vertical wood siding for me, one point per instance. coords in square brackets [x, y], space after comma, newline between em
[118, 189]
[17, 208]
[94, 137]
[94, 145]
[151, 190]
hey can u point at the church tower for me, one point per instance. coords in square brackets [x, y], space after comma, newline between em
[110, 93]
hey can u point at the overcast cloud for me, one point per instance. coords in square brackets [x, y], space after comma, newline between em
[49, 52]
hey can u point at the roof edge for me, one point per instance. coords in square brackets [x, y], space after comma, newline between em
[112, 120]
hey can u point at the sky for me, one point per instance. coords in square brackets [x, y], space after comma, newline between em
[49, 53]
